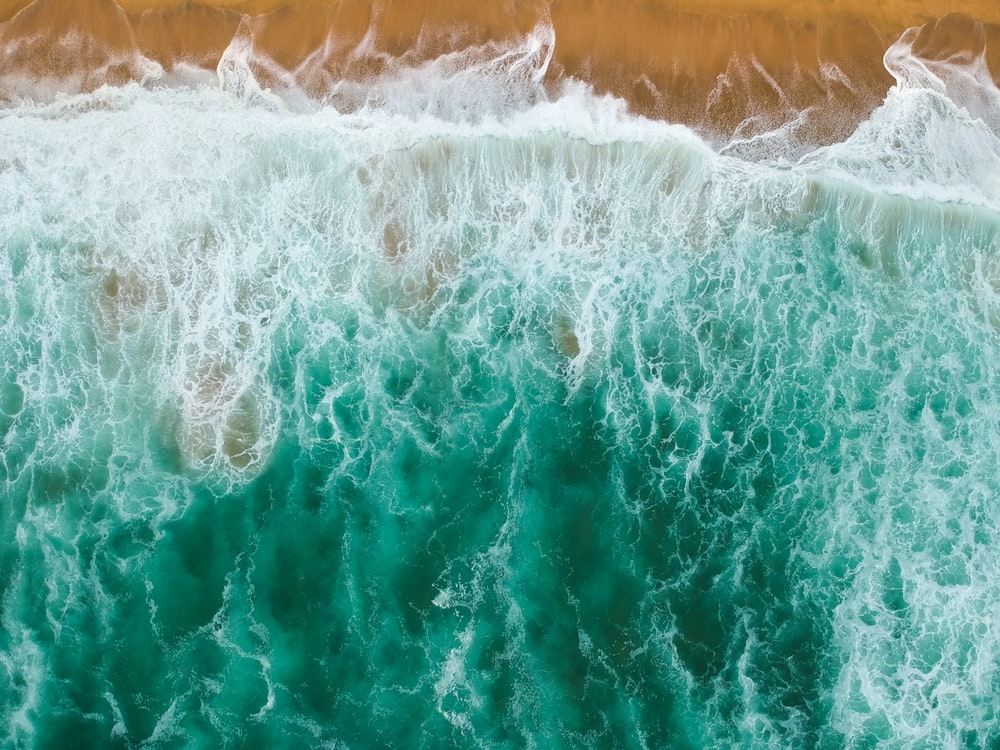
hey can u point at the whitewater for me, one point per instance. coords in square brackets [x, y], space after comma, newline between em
[481, 415]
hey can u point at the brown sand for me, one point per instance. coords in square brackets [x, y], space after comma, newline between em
[726, 67]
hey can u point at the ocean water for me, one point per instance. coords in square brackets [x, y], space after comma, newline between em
[487, 416]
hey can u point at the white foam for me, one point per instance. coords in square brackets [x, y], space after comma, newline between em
[921, 145]
[964, 78]
[199, 302]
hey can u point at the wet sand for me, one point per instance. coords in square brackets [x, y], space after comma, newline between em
[729, 68]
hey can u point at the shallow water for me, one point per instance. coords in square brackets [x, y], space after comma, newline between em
[506, 421]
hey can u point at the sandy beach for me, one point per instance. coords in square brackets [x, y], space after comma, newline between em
[729, 69]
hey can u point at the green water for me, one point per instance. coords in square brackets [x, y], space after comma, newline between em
[359, 433]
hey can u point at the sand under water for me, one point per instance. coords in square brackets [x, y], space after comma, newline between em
[543, 375]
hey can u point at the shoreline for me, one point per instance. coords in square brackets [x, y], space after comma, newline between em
[731, 69]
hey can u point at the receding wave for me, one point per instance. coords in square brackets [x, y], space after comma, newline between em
[737, 72]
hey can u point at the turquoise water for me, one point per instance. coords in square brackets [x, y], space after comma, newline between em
[552, 430]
